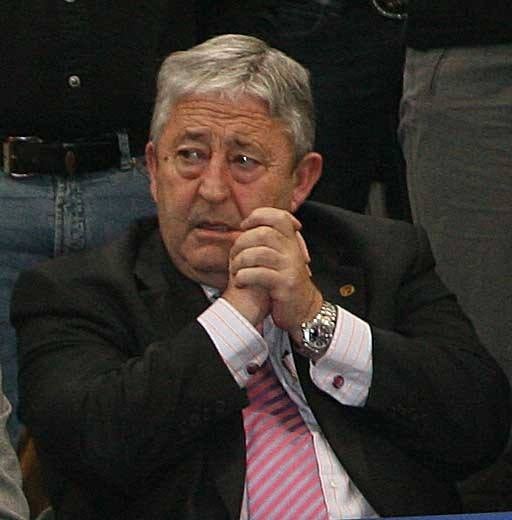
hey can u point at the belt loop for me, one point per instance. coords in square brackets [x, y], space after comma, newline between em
[126, 161]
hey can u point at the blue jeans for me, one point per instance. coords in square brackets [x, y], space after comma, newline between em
[44, 216]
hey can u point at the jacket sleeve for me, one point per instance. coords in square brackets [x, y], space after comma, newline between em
[436, 392]
[97, 401]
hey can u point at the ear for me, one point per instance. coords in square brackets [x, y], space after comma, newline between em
[306, 174]
[151, 165]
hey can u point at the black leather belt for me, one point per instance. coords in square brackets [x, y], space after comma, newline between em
[26, 156]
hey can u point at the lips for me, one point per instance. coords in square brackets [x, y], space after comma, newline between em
[215, 226]
[221, 228]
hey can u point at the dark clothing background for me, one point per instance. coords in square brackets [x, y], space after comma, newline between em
[114, 47]
[447, 23]
[355, 57]
[456, 129]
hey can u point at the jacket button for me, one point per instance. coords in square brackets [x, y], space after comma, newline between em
[347, 290]
[74, 81]
[338, 381]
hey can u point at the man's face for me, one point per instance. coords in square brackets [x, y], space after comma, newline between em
[216, 162]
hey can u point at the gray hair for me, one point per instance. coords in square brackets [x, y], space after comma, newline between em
[234, 65]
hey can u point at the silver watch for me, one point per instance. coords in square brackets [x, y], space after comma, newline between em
[317, 333]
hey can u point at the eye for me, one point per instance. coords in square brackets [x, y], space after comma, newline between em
[245, 162]
[245, 168]
[190, 155]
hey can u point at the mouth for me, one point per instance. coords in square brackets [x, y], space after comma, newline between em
[209, 226]
[215, 227]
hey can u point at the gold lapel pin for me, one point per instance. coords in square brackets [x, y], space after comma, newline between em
[347, 290]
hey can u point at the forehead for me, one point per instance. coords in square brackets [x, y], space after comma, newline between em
[212, 116]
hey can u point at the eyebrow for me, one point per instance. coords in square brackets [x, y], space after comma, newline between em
[242, 143]
[199, 134]
[205, 135]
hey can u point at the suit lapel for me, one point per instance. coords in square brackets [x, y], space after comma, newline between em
[341, 428]
[173, 301]
[226, 463]
[342, 283]
[340, 280]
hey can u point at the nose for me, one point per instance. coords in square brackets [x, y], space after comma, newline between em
[214, 184]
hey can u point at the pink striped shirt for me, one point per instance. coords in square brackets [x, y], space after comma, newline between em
[344, 372]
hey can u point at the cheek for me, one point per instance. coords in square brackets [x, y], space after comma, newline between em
[249, 197]
[173, 194]
[276, 191]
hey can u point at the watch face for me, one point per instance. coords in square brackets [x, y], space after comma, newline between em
[317, 334]
[311, 335]
[323, 335]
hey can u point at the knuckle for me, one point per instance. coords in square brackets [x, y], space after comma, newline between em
[283, 218]
[289, 282]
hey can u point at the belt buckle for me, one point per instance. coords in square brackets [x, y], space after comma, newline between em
[10, 155]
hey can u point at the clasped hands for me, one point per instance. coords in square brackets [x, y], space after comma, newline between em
[269, 272]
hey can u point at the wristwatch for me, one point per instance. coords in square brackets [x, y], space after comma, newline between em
[317, 333]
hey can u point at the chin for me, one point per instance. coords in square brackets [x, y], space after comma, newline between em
[207, 260]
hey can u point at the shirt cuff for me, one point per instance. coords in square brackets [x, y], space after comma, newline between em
[345, 370]
[239, 344]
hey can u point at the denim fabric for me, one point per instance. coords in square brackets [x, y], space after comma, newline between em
[45, 216]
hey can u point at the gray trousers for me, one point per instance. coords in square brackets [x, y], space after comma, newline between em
[456, 135]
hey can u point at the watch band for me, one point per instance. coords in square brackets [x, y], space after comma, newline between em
[317, 333]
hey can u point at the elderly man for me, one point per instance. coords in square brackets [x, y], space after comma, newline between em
[246, 354]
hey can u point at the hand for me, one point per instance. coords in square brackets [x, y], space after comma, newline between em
[253, 302]
[270, 254]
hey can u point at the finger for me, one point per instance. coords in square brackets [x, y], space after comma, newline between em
[304, 250]
[256, 276]
[279, 287]
[278, 219]
[261, 256]
[303, 247]
[262, 236]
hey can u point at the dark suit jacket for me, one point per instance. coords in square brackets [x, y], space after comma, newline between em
[136, 416]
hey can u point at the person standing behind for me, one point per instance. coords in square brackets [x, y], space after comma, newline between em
[355, 54]
[75, 97]
[456, 133]
[13, 505]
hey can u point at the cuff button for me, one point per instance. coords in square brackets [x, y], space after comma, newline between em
[338, 381]
[252, 368]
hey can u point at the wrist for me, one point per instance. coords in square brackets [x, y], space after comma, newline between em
[316, 335]
[314, 308]
[253, 306]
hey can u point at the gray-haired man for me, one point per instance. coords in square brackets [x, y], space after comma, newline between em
[248, 354]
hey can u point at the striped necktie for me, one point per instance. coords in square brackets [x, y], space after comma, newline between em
[282, 472]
